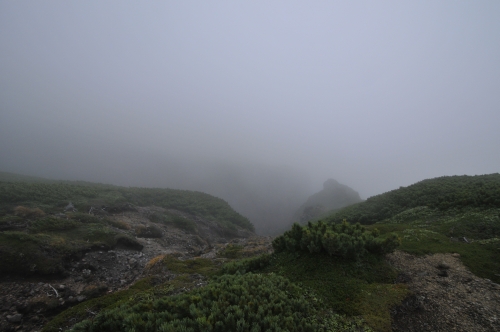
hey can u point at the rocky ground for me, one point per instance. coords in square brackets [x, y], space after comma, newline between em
[445, 296]
[27, 304]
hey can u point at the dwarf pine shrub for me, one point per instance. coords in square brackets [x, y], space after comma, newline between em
[344, 240]
[249, 302]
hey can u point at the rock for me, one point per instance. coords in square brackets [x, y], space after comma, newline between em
[81, 298]
[71, 300]
[14, 318]
[22, 307]
[132, 261]
[443, 273]
[443, 266]
[69, 207]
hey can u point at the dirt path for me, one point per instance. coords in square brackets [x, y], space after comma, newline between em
[446, 296]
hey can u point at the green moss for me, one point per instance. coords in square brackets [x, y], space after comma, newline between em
[50, 224]
[49, 244]
[231, 251]
[242, 266]
[22, 253]
[345, 286]
[201, 266]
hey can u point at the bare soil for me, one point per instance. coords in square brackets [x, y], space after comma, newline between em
[445, 296]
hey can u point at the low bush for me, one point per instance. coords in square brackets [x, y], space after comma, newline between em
[148, 231]
[344, 240]
[249, 302]
[119, 224]
[25, 212]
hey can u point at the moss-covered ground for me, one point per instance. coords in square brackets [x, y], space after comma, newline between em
[472, 233]
[363, 288]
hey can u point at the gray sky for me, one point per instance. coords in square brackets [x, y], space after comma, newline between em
[375, 94]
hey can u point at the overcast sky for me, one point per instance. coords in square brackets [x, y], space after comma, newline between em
[375, 94]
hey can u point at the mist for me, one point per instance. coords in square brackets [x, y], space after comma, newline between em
[256, 102]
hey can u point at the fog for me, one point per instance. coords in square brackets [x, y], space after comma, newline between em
[257, 102]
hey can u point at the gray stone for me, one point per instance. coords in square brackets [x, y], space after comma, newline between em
[14, 318]
[443, 266]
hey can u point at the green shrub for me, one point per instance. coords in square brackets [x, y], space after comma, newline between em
[249, 302]
[344, 240]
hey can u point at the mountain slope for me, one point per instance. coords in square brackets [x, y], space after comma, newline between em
[51, 196]
[452, 214]
[333, 196]
[443, 193]
[92, 239]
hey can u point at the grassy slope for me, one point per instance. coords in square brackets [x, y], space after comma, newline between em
[33, 240]
[342, 295]
[53, 196]
[443, 193]
[436, 215]
[358, 289]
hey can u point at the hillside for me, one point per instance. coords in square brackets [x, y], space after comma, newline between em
[160, 260]
[97, 238]
[333, 196]
[65, 218]
[447, 214]
[444, 193]
[53, 196]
